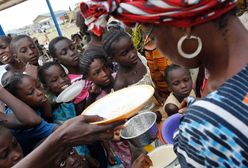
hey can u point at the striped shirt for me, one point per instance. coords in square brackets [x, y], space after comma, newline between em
[214, 131]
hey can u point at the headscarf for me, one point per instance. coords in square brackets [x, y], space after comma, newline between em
[181, 13]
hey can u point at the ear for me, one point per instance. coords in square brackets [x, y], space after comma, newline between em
[169, 88]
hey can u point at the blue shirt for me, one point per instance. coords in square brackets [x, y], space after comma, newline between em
[28, 138]
[214, 131]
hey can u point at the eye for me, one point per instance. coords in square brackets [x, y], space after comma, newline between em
[23, 50]
[33, 46]
[30, 92]
[124, 53]
[64, 52]
[175, 83]
[14, 142]
[62, 164]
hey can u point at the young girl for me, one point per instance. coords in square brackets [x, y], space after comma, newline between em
[30, 92]
[180, 84]
[55, 80]
[94, 67]
[133, 69]
[64, 52]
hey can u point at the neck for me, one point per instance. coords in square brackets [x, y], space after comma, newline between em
[74, 70]
[17, 66]
[230, 55]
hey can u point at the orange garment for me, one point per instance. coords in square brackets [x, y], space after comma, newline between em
[157, 63]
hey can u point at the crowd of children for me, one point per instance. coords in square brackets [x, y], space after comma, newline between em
[105, 64]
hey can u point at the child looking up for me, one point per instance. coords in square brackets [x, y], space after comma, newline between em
[29, 90]
[64, 52]
[179, 84]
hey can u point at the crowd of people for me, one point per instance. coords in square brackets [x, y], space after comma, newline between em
[163, 50]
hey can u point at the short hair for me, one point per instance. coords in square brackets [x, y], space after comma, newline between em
[43, 68]
[6, 39]
[14, 82]
[112, 37]
[88, 57]
[16, 39]
[170, 68]
[52, 44]
[6, 78]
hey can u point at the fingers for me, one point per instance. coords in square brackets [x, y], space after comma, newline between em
[91, 118]
[111, 126]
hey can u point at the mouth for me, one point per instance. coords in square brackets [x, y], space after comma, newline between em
[64, 86]
[5, 58]
[78, 164]
[44, 99]
[75, 59]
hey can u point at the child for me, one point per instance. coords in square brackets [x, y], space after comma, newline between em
[94, 67]
[64, 52]
[55, 80]
[30, 92]
[180, 84]
[23, 48]
[11, 153]
[133, 69]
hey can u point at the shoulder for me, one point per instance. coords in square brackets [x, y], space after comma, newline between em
[119, 82]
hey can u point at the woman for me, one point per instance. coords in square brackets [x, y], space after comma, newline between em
[213, 131]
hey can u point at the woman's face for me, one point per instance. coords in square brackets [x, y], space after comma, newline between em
[166, 39]
[66, 53]
[10, 149]
[56, 79]
[27, 51]
[124, 52]
[5, 55]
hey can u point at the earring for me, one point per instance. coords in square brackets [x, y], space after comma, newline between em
[192, 55]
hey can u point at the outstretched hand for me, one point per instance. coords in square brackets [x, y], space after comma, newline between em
[79, 130]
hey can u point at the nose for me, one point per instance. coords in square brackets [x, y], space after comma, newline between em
[183, 85]
[39, 92]
[71, 161]
[30, 51]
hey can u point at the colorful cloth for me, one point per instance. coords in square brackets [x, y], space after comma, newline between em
[84, 93]
[181, 13]
[157, 63]
[214, 131]
[66, 111]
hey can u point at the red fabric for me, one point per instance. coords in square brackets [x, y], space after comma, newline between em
[181, 13]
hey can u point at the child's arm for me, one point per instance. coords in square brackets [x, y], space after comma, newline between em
[23, 115]
[46, 111]
[94, 91]
[110, 155]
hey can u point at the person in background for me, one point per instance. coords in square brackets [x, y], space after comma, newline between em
[184, 31]
[180, 84]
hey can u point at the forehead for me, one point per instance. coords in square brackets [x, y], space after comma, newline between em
[97, 63]
[53, 70]
[179, 72]
[62, 44]
[121, 42]
[26, 81]
[23, 42]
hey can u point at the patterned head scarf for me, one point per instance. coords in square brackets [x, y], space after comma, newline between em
[181, 13]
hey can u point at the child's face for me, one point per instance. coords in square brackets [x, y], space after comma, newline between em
[5, 55]
[31, 92]
[180, 82]
[66, 53]
[124, 52]
[27, 51]
[56, 79]
[10, 149]
[99, 73]
[70, 159]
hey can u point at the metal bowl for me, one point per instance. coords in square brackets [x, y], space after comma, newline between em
[141, 130]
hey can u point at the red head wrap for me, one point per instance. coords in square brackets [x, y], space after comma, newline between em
[181, 13]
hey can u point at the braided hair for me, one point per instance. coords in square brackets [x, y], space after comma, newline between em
[88, 57]
[113, 37]
[42, 70]
[52, 44]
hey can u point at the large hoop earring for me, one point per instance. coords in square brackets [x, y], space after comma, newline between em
[192, 55]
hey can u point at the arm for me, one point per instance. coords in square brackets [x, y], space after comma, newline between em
[46, 111]
[23, 115]
[73, 132]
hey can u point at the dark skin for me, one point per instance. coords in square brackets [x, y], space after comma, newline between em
[66, 54]
[221, 64]
[7, 58]
[131, 69]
